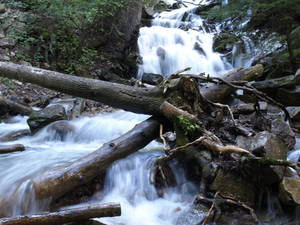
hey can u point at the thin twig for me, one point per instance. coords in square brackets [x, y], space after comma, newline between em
[222, 106]
[243, 205]
[210, 212]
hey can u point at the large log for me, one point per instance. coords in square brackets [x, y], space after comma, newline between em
[56, 182]
[134, 99]
[9, 106]
[66, 216]
[217, 93]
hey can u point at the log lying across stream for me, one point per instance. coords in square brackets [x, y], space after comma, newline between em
[134, 99]
[66, 216]
[56, 182]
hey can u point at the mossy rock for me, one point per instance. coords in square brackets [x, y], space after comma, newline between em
[42, 118]
[224, 42]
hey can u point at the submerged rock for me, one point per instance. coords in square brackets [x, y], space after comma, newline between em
[61, 128]
[42, 118]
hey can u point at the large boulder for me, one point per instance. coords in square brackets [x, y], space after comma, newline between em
[233, 185]
[266, 144]
[289, 191]
[42, 118]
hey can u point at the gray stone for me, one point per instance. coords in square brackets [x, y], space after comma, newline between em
[283, 131]
[289, 191]
[266, 144]
[42, 118]
[235, 186]
[151, 78]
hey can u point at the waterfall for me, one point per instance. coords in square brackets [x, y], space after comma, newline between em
[177, 40]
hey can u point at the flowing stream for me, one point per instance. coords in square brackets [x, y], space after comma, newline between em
[176, 40]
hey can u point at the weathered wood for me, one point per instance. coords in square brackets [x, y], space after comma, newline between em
[134, 99]
[11, 148]
[13, 107]
[65, 216]
[217, 93]
[56, 182]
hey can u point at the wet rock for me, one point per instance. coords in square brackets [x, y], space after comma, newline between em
[283, 131]
[266, 144]
[224, 42]
[289, 97]
[198, 47]
[289, 191]
[273, 146]
[161, 52]
[151, 78]
[42, 118]
[233, 185]
[61, 128]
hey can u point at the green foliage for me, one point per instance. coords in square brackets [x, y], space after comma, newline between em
[56, 31]
[8, 83]
[188, 125]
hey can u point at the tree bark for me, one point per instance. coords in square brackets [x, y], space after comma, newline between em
[66, 216]
[134, 99]
[56, 182]
[11, 148]
[14, 108]
[216, 93]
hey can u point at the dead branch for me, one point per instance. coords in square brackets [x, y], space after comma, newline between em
[210, 212]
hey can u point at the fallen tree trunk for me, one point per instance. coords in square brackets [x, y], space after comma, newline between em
[217, 93]
[56, 182]
[14, 108]
[11, 148]
[134, 99]
[66, 216]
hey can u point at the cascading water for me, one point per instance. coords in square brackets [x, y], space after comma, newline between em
[177, 40]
